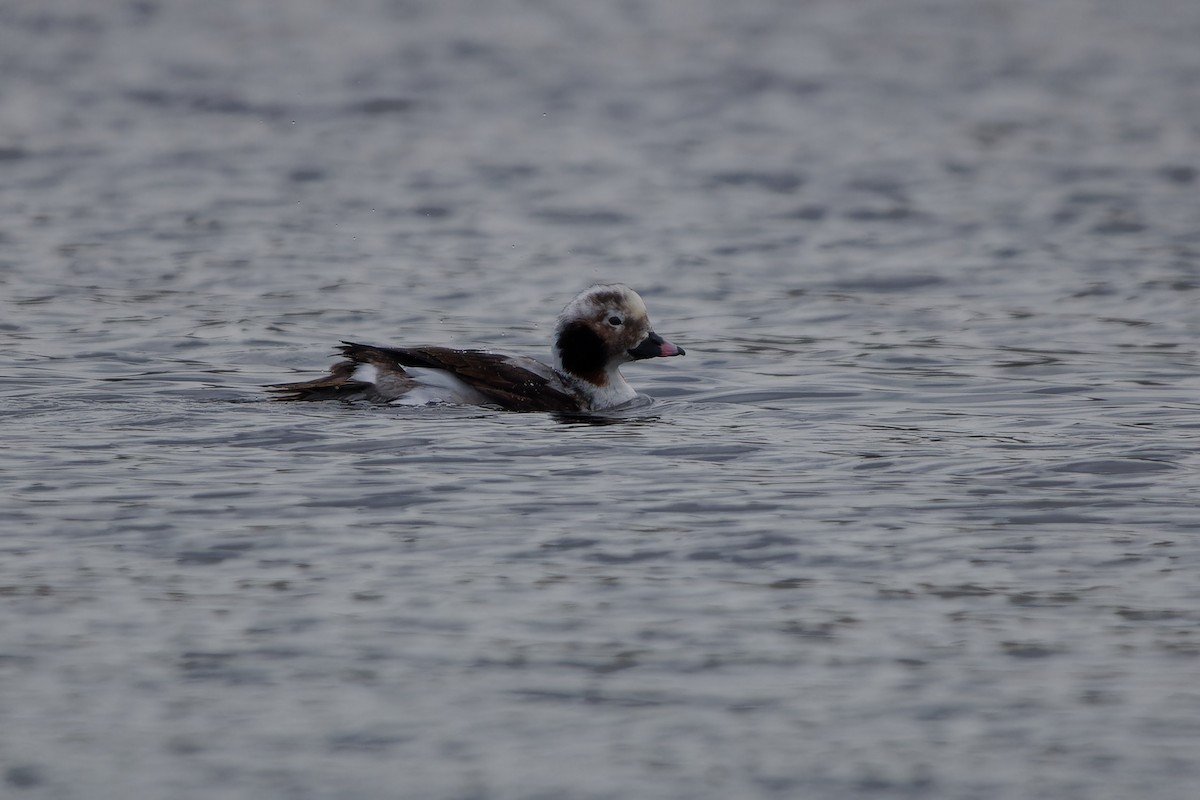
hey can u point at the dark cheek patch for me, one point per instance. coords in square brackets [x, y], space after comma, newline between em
[582, 352]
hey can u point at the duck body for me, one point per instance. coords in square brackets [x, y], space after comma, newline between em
[601, 329]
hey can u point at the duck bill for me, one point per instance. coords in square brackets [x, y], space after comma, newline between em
[655, 346]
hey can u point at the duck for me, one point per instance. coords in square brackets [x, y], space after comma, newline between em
[601, 329]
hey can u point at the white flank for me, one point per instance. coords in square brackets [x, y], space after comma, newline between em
[438, 386]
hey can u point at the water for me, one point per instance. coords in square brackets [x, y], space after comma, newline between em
[915, 517]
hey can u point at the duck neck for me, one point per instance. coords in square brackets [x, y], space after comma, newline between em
[612, 390]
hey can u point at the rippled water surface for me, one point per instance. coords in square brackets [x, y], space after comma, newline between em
[916, 517]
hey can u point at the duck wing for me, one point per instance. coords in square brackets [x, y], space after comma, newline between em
[512, 382]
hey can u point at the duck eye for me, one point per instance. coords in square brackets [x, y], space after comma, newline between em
[614, 320]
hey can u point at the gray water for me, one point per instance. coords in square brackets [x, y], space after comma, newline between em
[916, 516]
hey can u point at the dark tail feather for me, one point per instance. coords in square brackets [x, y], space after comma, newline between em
[389, 383]
[339, 384]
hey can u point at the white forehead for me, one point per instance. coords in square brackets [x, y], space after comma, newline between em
[603, 298]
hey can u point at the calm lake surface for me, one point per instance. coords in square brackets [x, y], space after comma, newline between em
[917, 516]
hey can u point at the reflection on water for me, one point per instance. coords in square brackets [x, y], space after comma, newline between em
[917, 507]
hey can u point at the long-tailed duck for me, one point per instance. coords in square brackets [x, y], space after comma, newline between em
[601, 329]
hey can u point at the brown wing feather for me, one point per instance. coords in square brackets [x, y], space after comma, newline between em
[491, 374]
[495, 376]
